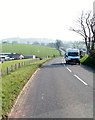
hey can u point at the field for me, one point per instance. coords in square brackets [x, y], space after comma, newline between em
[29, 49]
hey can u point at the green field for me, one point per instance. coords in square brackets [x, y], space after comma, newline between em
[29, 49]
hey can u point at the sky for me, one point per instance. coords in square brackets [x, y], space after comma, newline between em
[41, 18]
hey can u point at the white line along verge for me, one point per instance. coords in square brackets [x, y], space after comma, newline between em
[80, 80]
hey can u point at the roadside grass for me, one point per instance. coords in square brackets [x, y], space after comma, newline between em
[87, 60]
[13, 83]
[29, 49]
[82, 60]
[6, 64]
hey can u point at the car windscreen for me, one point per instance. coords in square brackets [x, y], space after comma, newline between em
[73, 54]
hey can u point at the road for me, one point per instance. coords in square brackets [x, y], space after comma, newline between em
[57, 91]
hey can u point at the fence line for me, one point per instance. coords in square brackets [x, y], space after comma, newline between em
[16, 66]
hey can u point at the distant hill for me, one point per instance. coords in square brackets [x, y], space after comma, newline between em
[28, 40]
[29, 49]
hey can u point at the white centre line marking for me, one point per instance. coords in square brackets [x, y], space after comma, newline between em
[68, 69]
[42, 97]
[80, 80]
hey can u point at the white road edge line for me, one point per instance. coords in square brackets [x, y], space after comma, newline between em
[25, 87]
[68, 69]
[80, 80]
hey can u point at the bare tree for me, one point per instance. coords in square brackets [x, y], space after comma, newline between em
[85, 30]
[93, 31]
[58, 44]
[78, 44]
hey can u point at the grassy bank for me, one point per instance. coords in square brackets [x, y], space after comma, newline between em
[13, 83]
[89, 61]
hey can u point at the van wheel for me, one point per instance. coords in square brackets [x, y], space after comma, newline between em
[66, 62]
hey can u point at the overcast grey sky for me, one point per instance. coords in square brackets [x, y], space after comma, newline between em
[41, 18]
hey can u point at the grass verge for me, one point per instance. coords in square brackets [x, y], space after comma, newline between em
[87, 60]
[13, 83]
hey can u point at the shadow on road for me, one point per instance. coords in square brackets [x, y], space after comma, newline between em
[88, 68]
[83, 66]
[55, 65]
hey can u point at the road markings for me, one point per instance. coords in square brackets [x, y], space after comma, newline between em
[80, 80]
[68, 69]
[42, 96]
[77, 76]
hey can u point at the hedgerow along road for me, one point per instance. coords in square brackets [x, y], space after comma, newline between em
[57, 91]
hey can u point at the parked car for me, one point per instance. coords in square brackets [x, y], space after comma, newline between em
[4, 58]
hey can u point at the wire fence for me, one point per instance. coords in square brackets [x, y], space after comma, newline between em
[16, 66]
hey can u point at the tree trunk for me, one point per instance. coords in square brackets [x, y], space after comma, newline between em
[88, 50]
[60, 52]
[86, 45]
[93, 42]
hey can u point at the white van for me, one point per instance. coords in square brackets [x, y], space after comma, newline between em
[72, 56]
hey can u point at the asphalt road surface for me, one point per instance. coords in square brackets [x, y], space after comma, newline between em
[57, 91]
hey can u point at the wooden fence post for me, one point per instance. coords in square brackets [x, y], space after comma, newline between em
[15, 66]
[7, 70]
[18, 65]
[24, 63]
[11, 68]
[1, 72]
[21, 63]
